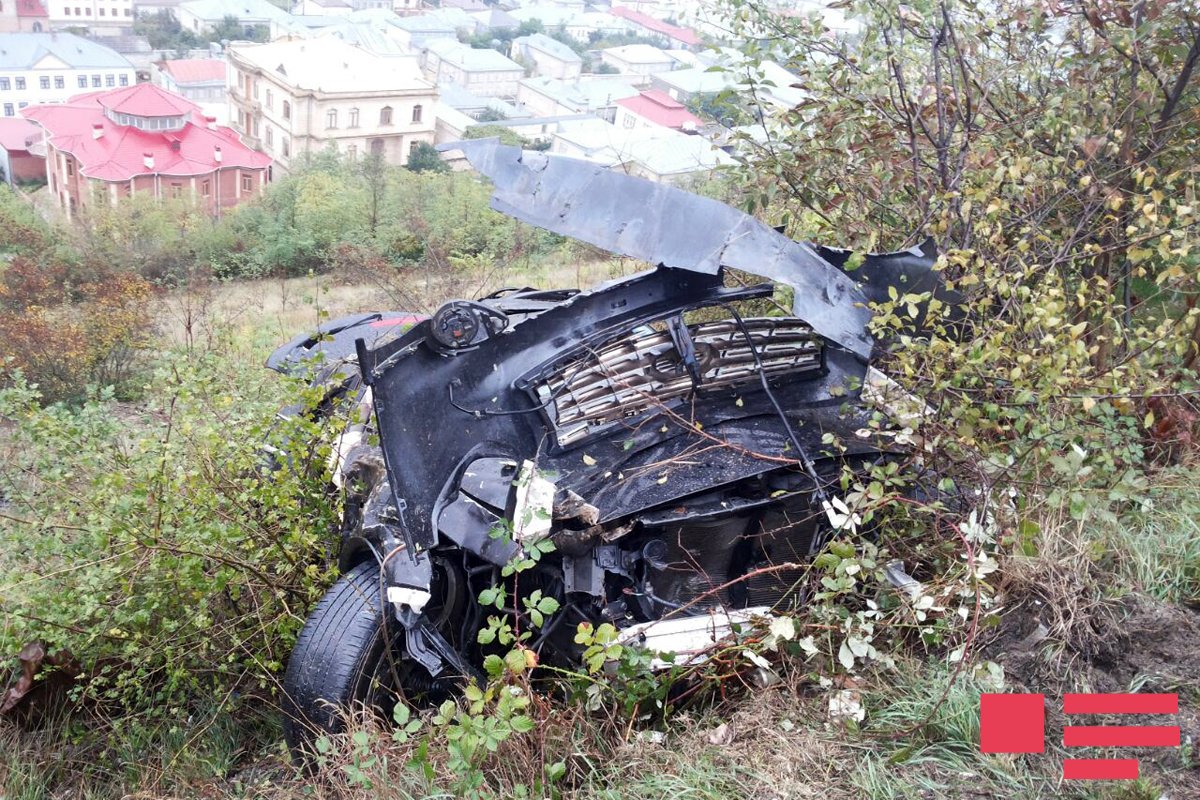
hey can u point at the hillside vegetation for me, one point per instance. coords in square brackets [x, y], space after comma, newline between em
[1048, 148]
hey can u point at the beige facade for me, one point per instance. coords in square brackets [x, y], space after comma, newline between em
[289, 98]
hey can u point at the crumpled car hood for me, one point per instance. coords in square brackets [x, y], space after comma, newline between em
[664, 225]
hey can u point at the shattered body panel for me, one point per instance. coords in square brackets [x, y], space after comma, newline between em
[660, 224]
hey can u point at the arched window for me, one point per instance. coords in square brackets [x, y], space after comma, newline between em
[417, 113]
[331, 118]
[287, 110]
[385, 115]
[354, 118]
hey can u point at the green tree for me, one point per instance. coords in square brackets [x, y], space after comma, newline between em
[424, 157]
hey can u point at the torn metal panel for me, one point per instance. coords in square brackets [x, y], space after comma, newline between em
[664, 225]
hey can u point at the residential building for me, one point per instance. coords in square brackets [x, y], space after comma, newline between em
[52, 67]
[95, 15]
[638, 59]
[420, 30]
[579, 25]
[103, 147]
[305, 95]
[322, 8]
[652, 109]
[494, 20]
[546, 56]
[201, 15]
[136, 49]
[146, 7]
[658, 154]
[549, 97]
[201, 80]
[382, 40]
[473, 105]
[22, 157]
[682, 38]
[685, 84]
[29, 16]
[484, 72]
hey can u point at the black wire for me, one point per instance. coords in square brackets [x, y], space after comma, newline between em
[480, 413]
[804, 459]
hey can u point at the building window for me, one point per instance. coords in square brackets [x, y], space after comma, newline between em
[101, 12]
[110, 80]
[417, 113]
[77, 12]
[270, 136]
[176, 190]
[96, 81]
[270, 100]
[70, 168]
[412, 147]
[247, 183]
[124, 80]
[5, 85]
[44, 81]
[66, 12]
[352, 152]
[331, 118]
[20, 84]
[287, 110]
[385, 115]
[60, 82]
[287, 148]
[83, 81]
[354, 118]
[206, 188]
[87, 11]
[8, 110]
[255, 84]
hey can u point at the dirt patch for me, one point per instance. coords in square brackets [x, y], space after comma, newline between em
[1134, 644]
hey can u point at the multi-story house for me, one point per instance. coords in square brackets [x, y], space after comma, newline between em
[201, 80]
[545, 55]
[102, 147]
[289, 98]
[198, 16]
[485, 72]
[95, 15]
[52, 67]
[638, 59]
[653, 108]
[29, 16]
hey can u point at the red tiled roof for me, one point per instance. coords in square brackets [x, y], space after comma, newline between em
[684, 35]
[15, 133]
[661, 109]
[195, 70]
[31, 8]
[146, 100]
[117, 155]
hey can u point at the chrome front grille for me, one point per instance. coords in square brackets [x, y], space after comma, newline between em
[625, 377]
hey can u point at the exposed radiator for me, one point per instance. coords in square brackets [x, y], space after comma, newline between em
[626, 377]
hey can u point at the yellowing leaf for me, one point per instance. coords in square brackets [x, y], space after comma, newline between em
[591, 462]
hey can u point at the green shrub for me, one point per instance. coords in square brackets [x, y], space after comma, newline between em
[159, 548]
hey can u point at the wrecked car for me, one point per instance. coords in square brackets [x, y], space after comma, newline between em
[671, 445]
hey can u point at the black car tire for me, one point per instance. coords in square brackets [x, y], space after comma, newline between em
[338, 661]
